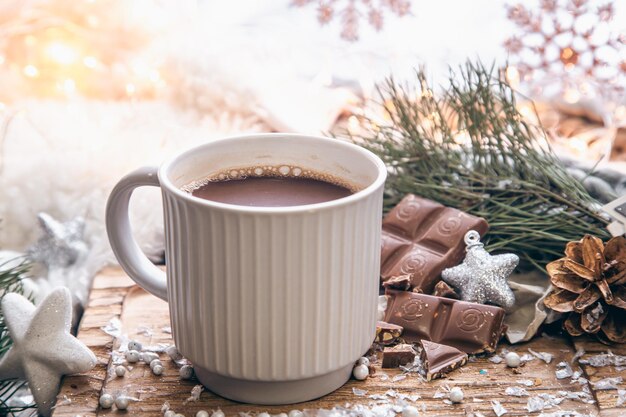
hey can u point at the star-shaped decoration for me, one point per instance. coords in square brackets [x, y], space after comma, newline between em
[481, 278]
[61, 244]
[43, 349]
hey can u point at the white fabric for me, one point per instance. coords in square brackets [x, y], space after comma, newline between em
[64, 158]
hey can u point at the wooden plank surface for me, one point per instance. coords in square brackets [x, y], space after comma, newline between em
[145, 318]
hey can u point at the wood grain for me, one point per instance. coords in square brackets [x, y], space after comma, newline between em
[145, 318]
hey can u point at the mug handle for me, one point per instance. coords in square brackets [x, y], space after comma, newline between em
[126, 250]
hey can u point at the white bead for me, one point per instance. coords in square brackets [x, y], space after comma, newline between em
[134, 345]
[363, 361]
[155, 362]
[169, 413]
[281, 415]
[456, 395]
[157, 370]
[264, 414]
[410, 411]
[173, 353]
[202, 413]
[106, 401]
[121, 402]
[360, 372]
[218, 413]
[186, 372]
[132, 356]
[120, 371]
[148, 357]
[512, 360]
[179, 415]
[296, 413]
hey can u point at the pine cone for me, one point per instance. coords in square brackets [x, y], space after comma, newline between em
[590, 285]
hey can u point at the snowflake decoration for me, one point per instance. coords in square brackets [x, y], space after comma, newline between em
[569, 41]
[354, 10]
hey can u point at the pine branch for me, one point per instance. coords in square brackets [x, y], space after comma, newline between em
[470, 148]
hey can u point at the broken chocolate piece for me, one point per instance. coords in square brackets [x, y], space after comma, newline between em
[442, 289]
[387, 333]
[398, 355]
[470, 327]
[438, 359]
[402, 283]
[421, 238]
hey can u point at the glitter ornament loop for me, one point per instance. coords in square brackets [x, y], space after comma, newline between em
[472, 238]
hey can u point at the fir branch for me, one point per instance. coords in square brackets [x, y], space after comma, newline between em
[470, 148]
[11, 274]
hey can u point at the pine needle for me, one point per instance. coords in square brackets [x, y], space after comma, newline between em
[470, 148]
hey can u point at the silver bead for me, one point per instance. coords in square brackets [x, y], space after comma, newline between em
[360, 372]
[106, 401]
[157, 369]
[155, 362]
[456, 395]
[218, 413]
[120, 371]
[202, 413]
[134, 345]
[132, 356]
[363, 361]
[512, 360]
[122, 402]
[169, 413]
[263, 414]
[482, 277]
[296, 413]
[173, 353]
[186, 372]
[148, 357]
[410, 411]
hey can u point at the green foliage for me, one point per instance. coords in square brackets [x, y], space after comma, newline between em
[468, 147]
[10, 281]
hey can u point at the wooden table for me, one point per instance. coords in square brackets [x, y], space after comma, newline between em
[145, 318]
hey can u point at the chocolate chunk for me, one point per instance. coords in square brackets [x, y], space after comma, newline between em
[402, 283]
[438, 359]
[470, 327]
[387, 333]
[442, 289]
[421, 238]
[398, 355]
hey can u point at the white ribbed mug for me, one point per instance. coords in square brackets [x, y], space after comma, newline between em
[272, 305]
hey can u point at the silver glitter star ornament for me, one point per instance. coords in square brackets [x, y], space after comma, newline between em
[43, 349]
[481, 278]
[61, 244]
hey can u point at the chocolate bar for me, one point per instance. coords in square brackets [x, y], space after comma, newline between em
[470, 327]
[421, 238]
[398, 355]
[442, 289]
[439, 359]
[387, 333]
[402, 283]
